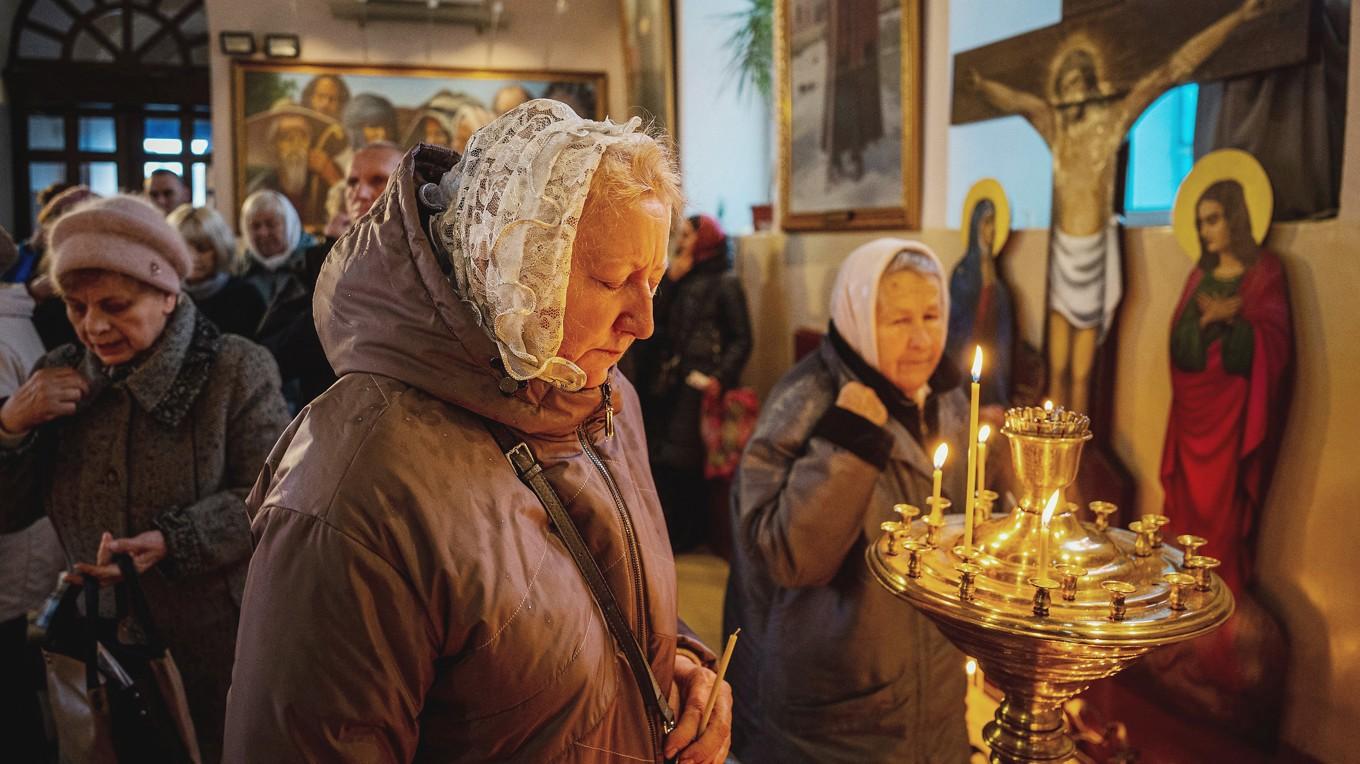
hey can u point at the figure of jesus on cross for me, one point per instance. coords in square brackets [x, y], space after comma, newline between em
[1084, 125]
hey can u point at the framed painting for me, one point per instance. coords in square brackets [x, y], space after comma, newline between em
[296, 126]
[849, 96]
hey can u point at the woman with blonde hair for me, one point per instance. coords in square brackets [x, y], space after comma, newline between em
[459, 552]
[221, 296]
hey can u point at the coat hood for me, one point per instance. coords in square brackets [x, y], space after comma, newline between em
[383, 305]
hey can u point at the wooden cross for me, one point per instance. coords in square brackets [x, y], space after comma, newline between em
[1082, 83]
[1135, 36]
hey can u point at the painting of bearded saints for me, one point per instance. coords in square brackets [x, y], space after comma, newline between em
[288, 132]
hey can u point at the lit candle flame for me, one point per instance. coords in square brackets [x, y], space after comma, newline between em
[984, 432]
[970, 667]
[1052, 505]
[1048, 405]
[941, 454]
[977, 363]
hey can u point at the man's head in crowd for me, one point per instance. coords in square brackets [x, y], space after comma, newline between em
[368, 173]
[167, 190]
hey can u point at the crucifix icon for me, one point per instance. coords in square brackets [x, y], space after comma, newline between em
[1081, 84]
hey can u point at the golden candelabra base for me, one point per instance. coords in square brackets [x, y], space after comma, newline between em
[1043, 637]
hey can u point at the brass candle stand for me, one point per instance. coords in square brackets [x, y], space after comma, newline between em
[1043, 637]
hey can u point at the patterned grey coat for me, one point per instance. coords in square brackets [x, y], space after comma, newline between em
[173, 445]
[830, 666]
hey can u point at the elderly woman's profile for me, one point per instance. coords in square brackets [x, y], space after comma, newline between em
[831, 667]
[425, 530]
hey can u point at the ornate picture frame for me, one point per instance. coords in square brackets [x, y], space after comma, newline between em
[277, 106]
[848, 95]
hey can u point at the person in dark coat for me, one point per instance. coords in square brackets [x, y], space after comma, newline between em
[831, 667]
[288, 329]
[703, 338]
[274, 243]
[222, 297]
[145, 438]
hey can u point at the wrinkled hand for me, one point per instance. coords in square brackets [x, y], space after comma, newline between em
[698, 380]
[860, 399]
[47, 395]
[1253, 9]
[146, 549]
[694, 683]
[974, 78]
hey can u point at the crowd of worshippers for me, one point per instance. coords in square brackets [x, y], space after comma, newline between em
[373, 581]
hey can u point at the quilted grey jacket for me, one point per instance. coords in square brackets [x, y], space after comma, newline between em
[831, 667]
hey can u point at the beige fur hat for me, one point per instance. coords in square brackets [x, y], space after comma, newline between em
[123, 234]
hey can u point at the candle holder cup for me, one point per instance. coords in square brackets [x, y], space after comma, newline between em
[1116, 603]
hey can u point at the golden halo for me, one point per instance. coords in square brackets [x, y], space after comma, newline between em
[1076, 41]
[988, 188]
[1224, 164]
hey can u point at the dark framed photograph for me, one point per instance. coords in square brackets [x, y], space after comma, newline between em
[296, 126]
[849, 98]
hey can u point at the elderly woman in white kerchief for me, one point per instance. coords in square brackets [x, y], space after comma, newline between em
[830, 666]
[410, 597]
[274, 242]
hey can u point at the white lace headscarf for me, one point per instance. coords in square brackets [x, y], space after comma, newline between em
[514, 203]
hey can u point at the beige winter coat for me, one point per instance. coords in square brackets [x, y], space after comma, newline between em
[407, 599]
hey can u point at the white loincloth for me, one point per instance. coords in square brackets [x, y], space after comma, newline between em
[1084, 278]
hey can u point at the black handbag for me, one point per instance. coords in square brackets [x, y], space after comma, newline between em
[115, 701]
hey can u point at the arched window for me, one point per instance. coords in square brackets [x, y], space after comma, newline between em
[103, 92]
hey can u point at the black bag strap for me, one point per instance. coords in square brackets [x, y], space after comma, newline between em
[128, 592]
[531, 474]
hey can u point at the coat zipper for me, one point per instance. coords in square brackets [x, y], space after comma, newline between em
[629, 534]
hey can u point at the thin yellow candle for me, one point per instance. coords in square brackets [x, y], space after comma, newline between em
[970, 479]
[984, 432]
[941, 454]
[717, 683]
[1044, 520]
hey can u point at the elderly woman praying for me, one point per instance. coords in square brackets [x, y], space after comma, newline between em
[145, 437]
[274, 243]
[426, 530]
[831, 667]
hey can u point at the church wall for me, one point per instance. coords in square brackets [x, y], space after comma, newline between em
[586, 37]
[1310, 522]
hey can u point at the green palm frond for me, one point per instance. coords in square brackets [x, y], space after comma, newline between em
[752, 48]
